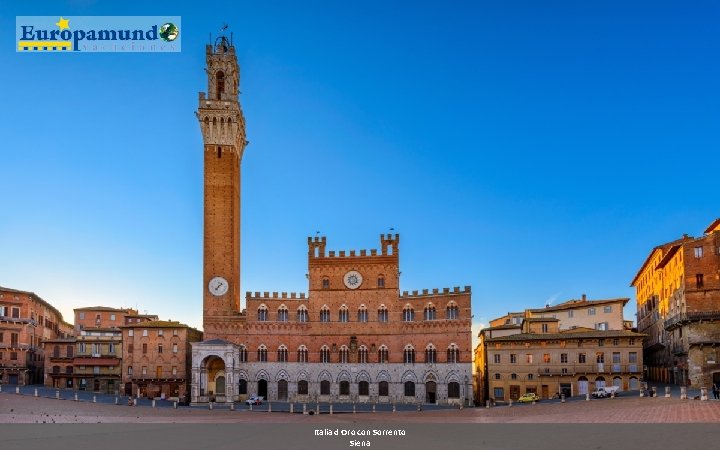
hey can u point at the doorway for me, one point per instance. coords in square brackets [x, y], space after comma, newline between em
[583, 385]
[262, 389]
[128, 389]
[282, 390]
[430, 392]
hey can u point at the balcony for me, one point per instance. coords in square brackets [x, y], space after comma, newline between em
[550, 370]
[683, 318]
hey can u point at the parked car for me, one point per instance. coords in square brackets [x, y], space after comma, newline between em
[254, 400]
[529, 398]
[603, 392]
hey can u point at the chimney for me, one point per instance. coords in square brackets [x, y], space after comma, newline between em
[584, 297]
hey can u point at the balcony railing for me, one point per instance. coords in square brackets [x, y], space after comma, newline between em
[692, 316]
[573, 369]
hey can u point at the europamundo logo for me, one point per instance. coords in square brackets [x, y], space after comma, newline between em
[114, 34]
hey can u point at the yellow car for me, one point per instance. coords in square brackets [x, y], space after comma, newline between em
[529, 398]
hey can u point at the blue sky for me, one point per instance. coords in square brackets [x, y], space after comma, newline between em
[533, 150]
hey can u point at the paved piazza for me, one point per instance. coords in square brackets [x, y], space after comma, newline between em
[28, 409]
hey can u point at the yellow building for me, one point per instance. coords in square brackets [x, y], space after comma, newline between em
[570, 348]
[542, 359]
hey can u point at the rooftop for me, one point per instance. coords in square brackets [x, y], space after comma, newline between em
[570, 334]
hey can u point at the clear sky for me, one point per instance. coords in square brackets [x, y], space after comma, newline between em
[533, 150]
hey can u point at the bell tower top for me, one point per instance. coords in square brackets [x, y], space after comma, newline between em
[219, 112]
[222, 70]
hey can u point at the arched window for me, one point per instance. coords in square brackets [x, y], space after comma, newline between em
[302, 314]
[220, 84]
[453, 354]
[381, 281]
[282, 314]
[362, 314]
[344, 387]
[513, 376]
[343, 315]
[325, 314]
[382, 314]
[430, 354]
[383, 389]
[408, 314]
[243, 354]
[324, 387]
[282, 354]
[451, 312]
[262, 313]
[262, 353]
[302, 354]
[383, 354]
[242, 387]
[429, 312]
[363, 388]
[363, 354]
[453, 389]
[344, 354]
[324, 354]
[409, 354]
[326, 283]
[302, 387]
[56, 351]
[409, 389]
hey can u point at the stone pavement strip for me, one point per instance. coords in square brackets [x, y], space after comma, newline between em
[29, 409]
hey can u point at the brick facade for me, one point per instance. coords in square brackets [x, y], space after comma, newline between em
[354, 337]
[678, 302]
[156, 359]
[25, 321]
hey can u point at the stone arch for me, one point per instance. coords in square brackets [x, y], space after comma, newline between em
[409, 375]
[243, 375]
[324, 376]
[452, 376]
[430, 375]
[262, 375]
[383, 375]
[362, 376]
[302, 375]
[344, 376]
[282, 375]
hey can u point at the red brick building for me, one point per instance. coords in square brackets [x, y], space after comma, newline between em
[678, 304]
[25, 321]
[354, 337]
[157, 358]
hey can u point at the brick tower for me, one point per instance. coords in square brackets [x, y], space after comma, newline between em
[223, 130]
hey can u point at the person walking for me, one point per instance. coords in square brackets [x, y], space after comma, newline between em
[716, 392]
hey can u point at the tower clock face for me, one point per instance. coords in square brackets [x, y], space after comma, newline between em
[218, 286]
[353, 279]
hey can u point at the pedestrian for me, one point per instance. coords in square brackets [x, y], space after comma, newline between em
[716, 392]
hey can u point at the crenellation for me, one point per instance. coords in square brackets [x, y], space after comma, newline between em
[271, 321]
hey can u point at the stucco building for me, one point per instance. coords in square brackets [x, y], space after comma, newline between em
[570, 348]
[353, 337]
[678, 307]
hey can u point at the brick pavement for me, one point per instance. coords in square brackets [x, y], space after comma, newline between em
[27, 409]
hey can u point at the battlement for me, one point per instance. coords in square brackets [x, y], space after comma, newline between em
[388, 247]
[275, 295]
[436, 292]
